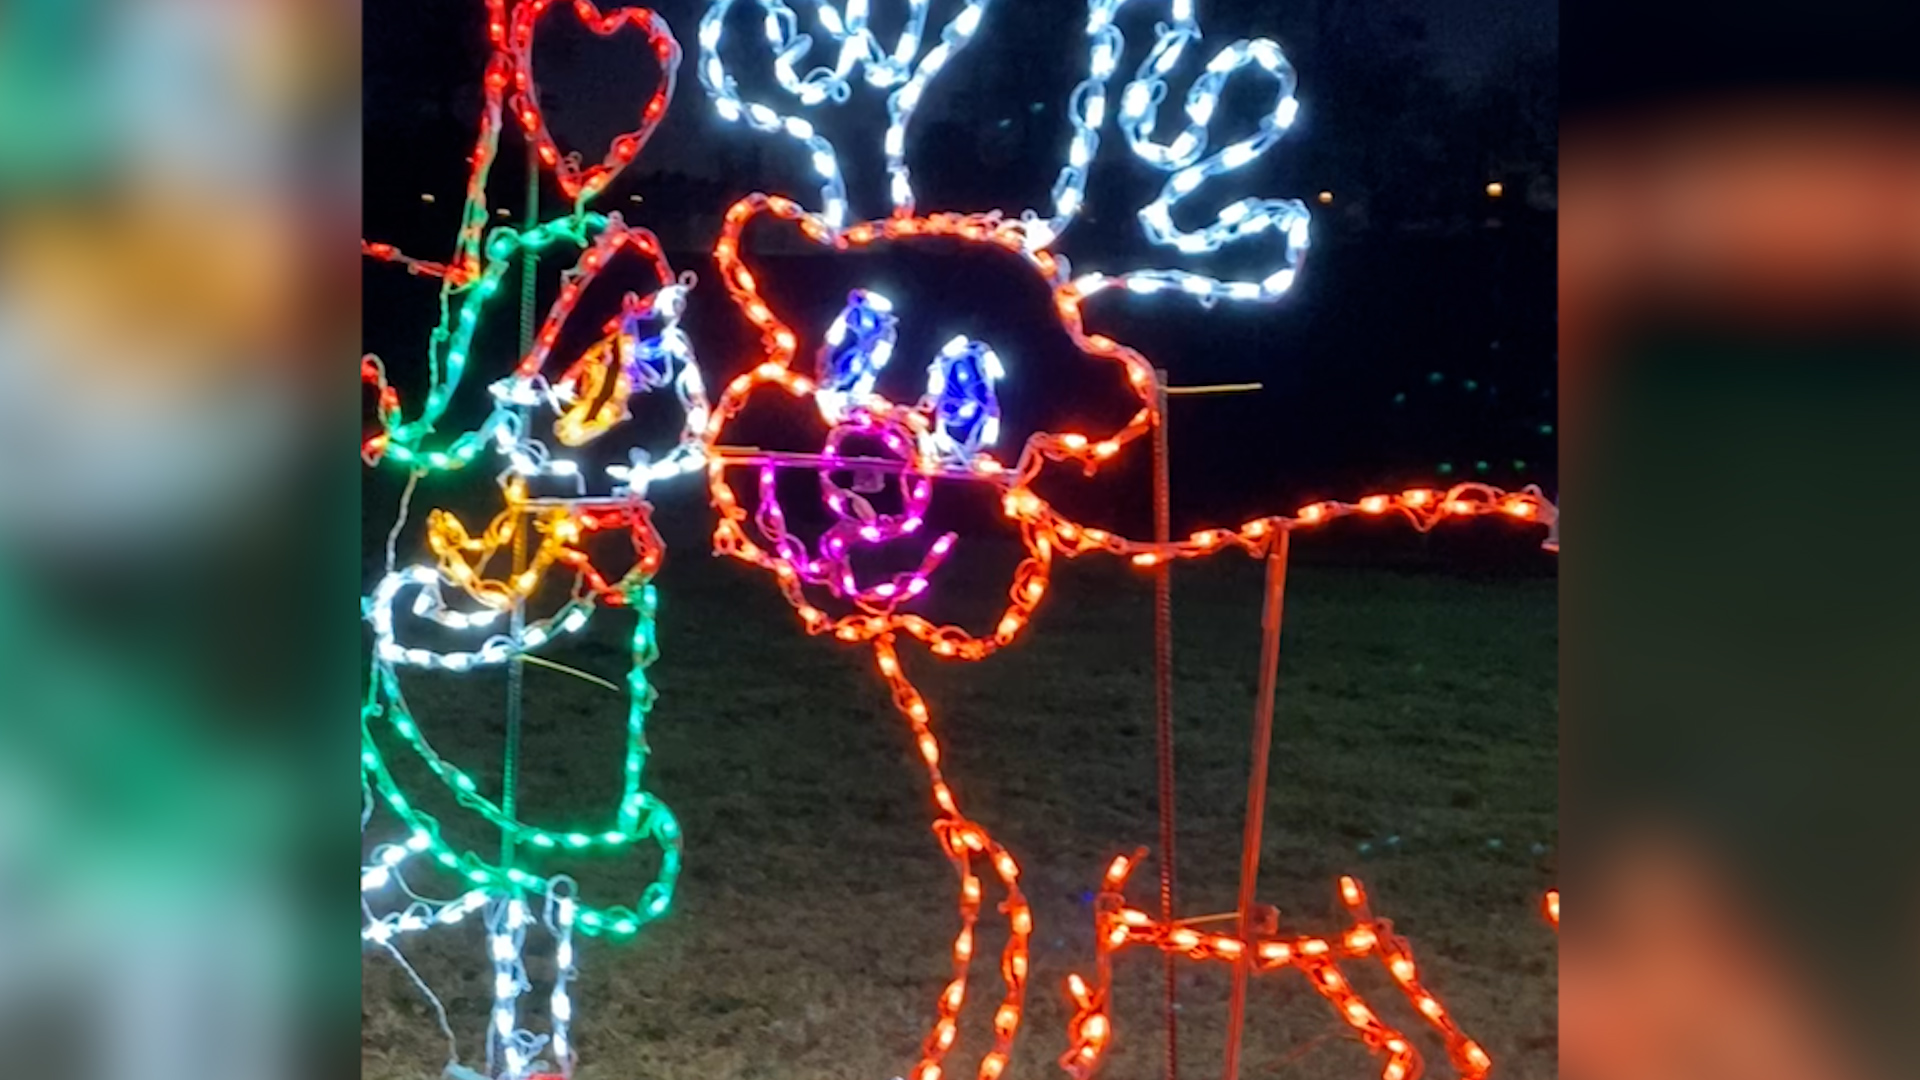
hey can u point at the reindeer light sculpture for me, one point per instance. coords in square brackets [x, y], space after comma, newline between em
[950, 434]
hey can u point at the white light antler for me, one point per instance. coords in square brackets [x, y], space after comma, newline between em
[1185, 157]
[859, 49]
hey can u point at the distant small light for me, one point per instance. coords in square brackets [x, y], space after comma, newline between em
[1495, 189]
[426, 197]
[503, 212]
[1326, 197]
[636, 198]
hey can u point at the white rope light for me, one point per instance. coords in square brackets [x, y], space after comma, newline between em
[1184, 157]
[510, 1049]
[858, 49]
[429, 603]
[560, 912]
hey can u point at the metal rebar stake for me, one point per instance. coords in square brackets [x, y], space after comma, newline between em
[516, 667]
[1270, 620]
[1163, 699]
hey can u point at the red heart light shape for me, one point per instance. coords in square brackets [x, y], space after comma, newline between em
[580, 184]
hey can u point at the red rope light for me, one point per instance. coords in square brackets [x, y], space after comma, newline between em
[579, 185]
[617, 237]
[511, 65]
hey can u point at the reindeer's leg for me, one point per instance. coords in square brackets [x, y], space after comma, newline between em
[964, 839]
[1090, 1027]
[1117, 926]
[1313, 957]
[1375, 936]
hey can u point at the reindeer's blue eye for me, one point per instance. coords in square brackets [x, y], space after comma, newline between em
[966, 411]
[858, 345]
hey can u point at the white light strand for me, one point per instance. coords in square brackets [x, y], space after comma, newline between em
[687, 456]
[859, 49]
[901, 105]
[815, 88]
[420, 915]
[510, 1049]
[430, 604]
[1184, 157]
[380, 931]
[507, 918]
[846, 371]
[560, 911]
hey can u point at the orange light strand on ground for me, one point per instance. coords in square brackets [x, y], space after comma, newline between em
[1117, 926]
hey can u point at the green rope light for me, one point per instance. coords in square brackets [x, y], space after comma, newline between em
[452, 342]
[641, 815]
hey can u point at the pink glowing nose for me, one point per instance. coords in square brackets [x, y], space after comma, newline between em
[856, 522]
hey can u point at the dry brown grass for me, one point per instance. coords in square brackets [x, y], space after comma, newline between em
[810, 933]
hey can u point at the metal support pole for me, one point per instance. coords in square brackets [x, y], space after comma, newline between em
[1163, 698]
[516, 667]
[1270, 619]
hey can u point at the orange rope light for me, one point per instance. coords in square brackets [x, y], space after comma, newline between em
[876, 617]
[1043, 530]
[964, 841]
[1550, 907]
[463, 558]
[583, 421]
[1117, 926]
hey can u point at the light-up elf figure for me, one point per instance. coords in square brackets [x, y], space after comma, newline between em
[951, 433]
[461, 593]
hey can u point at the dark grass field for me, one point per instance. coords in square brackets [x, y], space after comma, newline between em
[811, 931]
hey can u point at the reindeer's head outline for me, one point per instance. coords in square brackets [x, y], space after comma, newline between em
[842, 395]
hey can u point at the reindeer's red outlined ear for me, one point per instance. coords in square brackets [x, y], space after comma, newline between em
[859, 50]
[1185, 158]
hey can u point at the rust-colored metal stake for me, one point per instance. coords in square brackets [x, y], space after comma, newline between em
[1270, 619]
[1163, 697]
